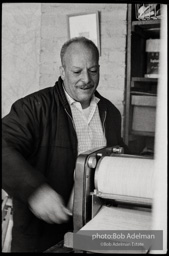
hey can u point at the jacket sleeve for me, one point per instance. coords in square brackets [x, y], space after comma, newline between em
[19, 177]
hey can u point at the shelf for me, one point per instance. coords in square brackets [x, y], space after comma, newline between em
[144, 86]
[143, 93]
[144, 79]
[139, 120]
[147, 28]
[147, 24]
[143, 133]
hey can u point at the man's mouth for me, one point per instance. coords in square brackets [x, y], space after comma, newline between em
[86, 87]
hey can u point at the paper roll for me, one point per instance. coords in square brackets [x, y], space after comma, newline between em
[114, 219]
[120, 218]
[125, 177]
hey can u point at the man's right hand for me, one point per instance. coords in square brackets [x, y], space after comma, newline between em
[48, 205]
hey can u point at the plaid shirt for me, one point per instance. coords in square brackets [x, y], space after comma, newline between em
[88, 124]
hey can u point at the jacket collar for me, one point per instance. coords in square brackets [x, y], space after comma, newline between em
[60, 92]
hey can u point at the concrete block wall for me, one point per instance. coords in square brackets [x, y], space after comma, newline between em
[113, 29]
[21, 24]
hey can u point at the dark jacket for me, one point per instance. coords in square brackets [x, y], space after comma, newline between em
[40, 146]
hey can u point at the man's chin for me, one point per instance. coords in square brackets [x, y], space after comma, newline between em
[85, 101]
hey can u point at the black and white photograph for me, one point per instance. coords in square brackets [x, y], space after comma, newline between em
[84, 127]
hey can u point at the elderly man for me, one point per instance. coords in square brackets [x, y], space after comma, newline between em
[42, 137]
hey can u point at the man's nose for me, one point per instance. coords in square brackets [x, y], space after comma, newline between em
[85, 76]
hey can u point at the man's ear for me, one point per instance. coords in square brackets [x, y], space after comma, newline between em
[62, 72]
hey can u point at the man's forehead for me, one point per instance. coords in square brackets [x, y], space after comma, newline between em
[77, 48]
[77, 51]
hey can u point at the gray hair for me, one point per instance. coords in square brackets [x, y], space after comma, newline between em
[83, 40]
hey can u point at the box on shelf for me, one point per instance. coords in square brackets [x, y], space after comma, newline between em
[144, 113]
[152, 58]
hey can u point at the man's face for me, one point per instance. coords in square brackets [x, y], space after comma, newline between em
[80, 73]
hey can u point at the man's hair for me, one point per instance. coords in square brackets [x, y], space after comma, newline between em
[81, 40]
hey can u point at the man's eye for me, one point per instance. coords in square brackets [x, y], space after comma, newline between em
[93, 71]
[76, 72]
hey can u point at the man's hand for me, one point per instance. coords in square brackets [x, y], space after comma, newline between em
[48, 205]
